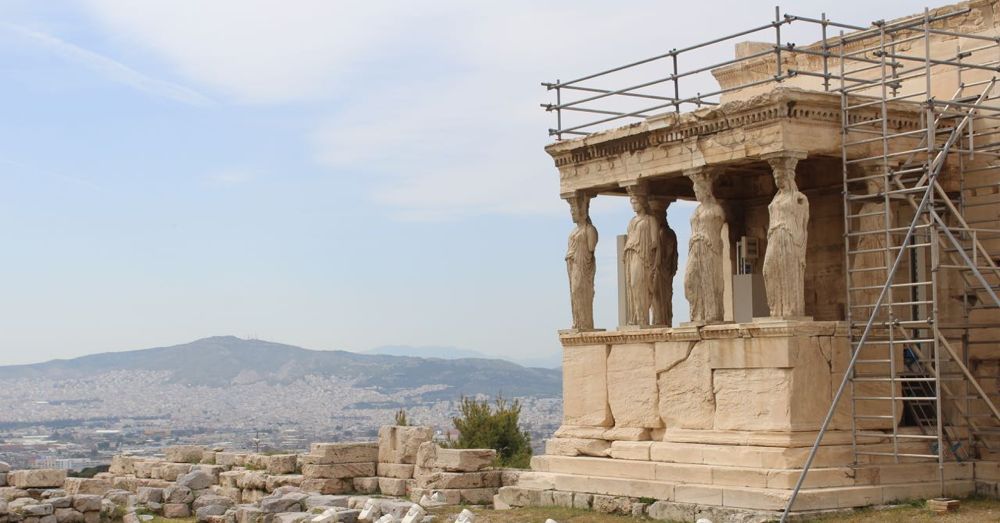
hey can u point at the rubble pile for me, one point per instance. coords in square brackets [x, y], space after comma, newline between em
[334, 482]
[39, 496]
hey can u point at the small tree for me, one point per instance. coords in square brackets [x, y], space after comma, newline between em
[401, 418]
[481, 426]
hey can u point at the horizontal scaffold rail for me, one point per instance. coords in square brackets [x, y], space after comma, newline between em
[677, 80]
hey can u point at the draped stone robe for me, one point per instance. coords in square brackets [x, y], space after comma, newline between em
[785, 258]
[581, 268]
[663, 310]
[703, 277]
[641, 264]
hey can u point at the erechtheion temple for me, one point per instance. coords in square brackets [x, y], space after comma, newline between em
[841, 271]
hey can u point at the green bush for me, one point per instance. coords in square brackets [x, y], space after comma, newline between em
[484, 426]
[88, 472]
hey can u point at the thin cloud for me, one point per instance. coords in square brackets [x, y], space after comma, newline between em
[231, 177]
[112, 69]
[30, 170]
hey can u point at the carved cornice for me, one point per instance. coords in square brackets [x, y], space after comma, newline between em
[763, 329]
[781, 104]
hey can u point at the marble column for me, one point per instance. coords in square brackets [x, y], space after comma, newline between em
[580, 262]
[785, 254]
[641, 254]
[703, 276]
[663, 311]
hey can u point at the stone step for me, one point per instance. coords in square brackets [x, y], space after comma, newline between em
[736, 497]
[754, 456]
[737, 456]
[721, 475]
[748, 456]
[755, 438]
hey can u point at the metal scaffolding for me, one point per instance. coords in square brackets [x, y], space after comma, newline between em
[922, 282]
[908, 242]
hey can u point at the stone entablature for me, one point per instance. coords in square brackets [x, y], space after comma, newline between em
[739, 131]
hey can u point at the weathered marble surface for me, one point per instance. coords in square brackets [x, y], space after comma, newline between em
[663, 310]
[580, 263]
[641, 259]
[703, 277]
[785, 257]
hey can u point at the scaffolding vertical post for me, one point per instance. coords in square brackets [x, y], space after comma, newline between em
[676, 80]
[886, 225]
[845, 117]
[777, 42]
[935, 263]
[826, 56]
[558, 110]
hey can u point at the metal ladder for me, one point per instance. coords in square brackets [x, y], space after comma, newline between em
[923, 412]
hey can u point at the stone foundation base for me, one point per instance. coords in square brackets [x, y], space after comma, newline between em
[815, 502]
[511, 497]
[685, 492]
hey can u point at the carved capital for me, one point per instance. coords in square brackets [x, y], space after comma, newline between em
[660, 204]
[703, 178]
[636, 187]
[639, 194]
[708, 172]
[784, 161]
[579, 206]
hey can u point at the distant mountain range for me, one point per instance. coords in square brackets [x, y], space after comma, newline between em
[227, 360]
[552, 361]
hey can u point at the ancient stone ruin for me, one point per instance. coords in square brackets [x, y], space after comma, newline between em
[843, 347]
[390, 480]
[842, 276]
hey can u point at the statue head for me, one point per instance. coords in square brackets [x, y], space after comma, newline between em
[658, 206]
[640, 203]
[784, 179]
[874, 185]
[701, 181]
[639, 198]
[579, 208]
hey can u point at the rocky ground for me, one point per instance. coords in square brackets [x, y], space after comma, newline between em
[333, 483]
[972, 511]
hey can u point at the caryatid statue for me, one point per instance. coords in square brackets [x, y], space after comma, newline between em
[641, 258]
[663, 310]
[642, 239]
[580, 263]
[704, 285]
[785, 257]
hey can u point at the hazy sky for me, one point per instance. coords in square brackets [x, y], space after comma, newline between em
[331, 174]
